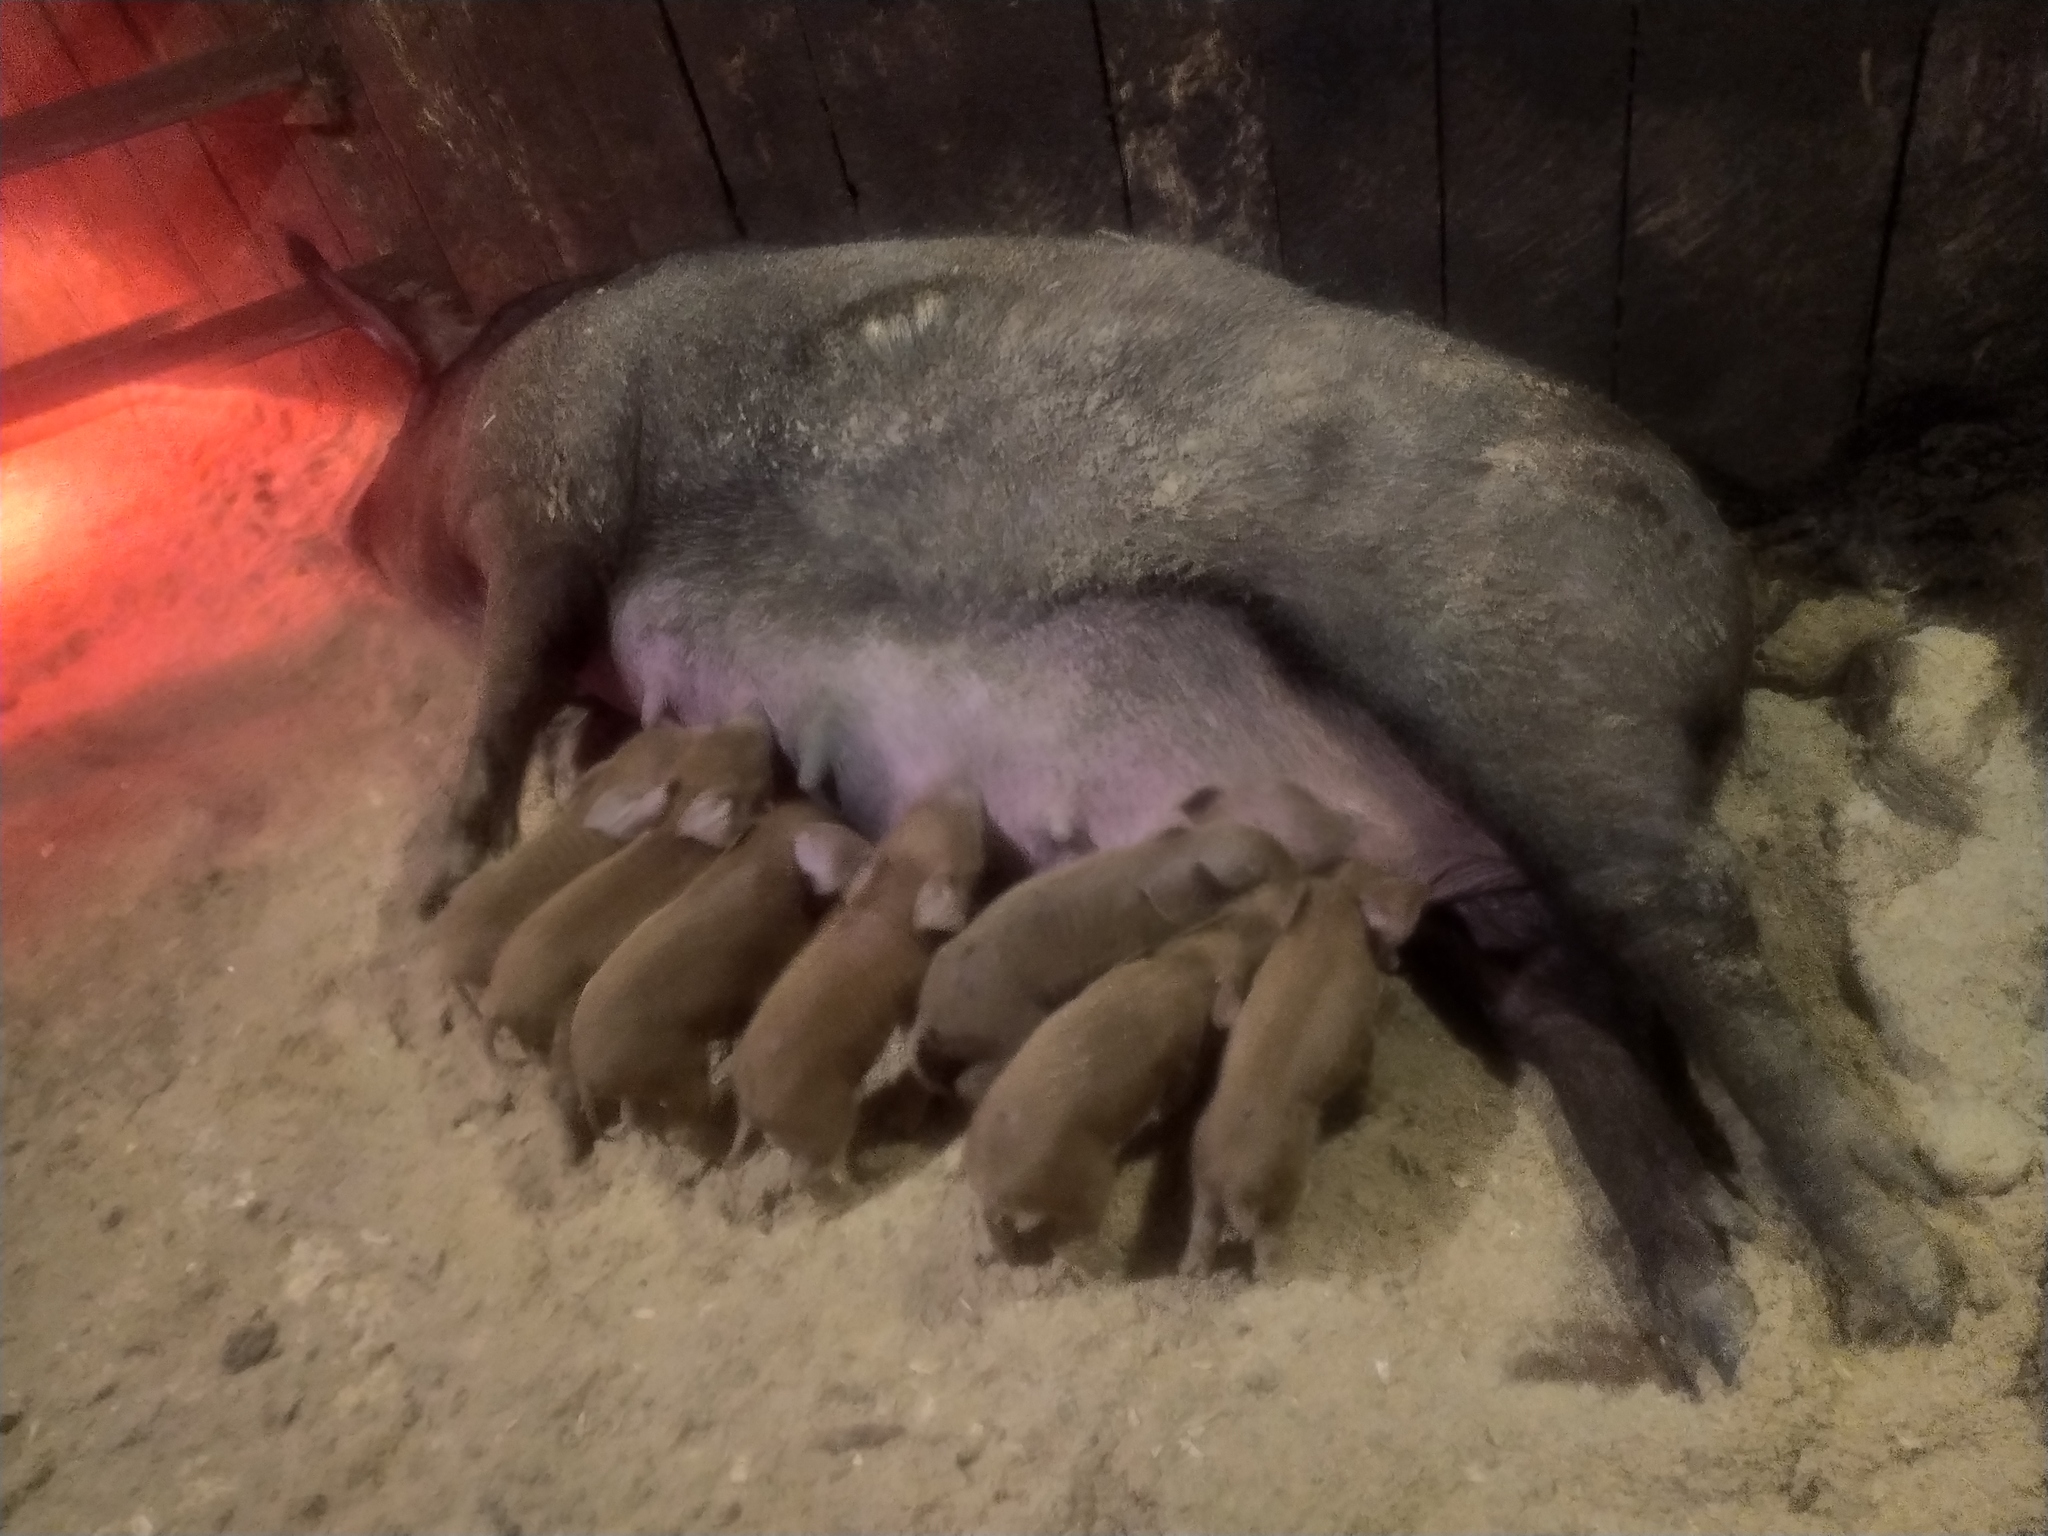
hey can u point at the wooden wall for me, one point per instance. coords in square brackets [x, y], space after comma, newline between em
[1753, 222]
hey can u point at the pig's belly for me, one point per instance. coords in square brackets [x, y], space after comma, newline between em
[1083, 728]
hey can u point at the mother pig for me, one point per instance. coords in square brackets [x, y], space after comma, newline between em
[719, 465]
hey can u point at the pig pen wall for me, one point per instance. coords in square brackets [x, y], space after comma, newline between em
[271, 1259]
[1755, 225]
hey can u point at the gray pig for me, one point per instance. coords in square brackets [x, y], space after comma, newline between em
[693, 972]
[610, 804]
[551, 954]
[797, 1071]
[1303, 1036]
[1040, 943]
[1511, 613]
[1042, 1147]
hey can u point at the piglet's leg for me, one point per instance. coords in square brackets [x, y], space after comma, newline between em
[1547, 1010]
[538, 623]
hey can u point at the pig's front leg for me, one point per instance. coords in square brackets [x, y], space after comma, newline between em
[538, 625]
[1545, 1008]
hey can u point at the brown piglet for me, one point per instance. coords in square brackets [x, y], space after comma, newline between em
[692, 973]
[1042, 1147]
[609, 805]
[559, 946]
[1303, 1036]
[797, 1071]
[1041, 942]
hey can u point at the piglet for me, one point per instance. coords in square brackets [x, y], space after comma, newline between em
[1303, 1036]
[797, 1071]
[606, 807]
[1042, 941]
[559, 946]
[1042, 1147]
[693, 972]
[1314, 835]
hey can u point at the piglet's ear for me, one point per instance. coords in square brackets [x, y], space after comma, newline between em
[831, 857]
[622, 814]
[1200, 802]
[941, 906]
[1391, 907]
[712, 819]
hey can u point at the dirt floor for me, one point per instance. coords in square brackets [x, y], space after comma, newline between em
[271, 1261]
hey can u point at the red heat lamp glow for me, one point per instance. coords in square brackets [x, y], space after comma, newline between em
[182, 526]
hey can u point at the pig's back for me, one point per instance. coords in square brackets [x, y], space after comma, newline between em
[1300, 1025]
[1106, 1059]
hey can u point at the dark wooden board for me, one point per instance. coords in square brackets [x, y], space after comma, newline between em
[1191, 123]
[251, 147]
[750, 68]
[1765, 141]
[962, 118]
[432, 101]
[1965, 307]
[121, 261]
[1535, 114]
[39, 221]
[1351, 111]
[544, 135]
[182, 183]
[158, 344]
[623, 71]
[109, 113]
[355, 173]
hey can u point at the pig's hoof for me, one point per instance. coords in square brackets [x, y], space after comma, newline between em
[1896, 1278]
[1704, 1311]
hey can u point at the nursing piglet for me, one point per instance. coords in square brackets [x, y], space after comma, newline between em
[1303, 1036]
[1042, 941]
[797, 1071]
[555, 950]
[1042, 1148]
[693, 972]
[609, 804]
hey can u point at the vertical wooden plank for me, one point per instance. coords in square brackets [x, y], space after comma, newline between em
[1351, 110]
[175, 174]
[356, 174]
[1535, 113]
[751, 69]
[544, 136]
[134, 265]
[43, 303]
[1765, 141]
[624, 75]
[1191, 123]
[951, 118]
[1965, 306]
[414, 65]
[250, 147]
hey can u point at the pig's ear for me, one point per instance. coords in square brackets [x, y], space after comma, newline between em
[1391, 907]
[622, 814]
[713, 818]
[830, 856]
[1201, 802]
[941, 906]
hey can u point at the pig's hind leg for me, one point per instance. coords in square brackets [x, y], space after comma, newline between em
[1500, 956]
[1582, 729]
